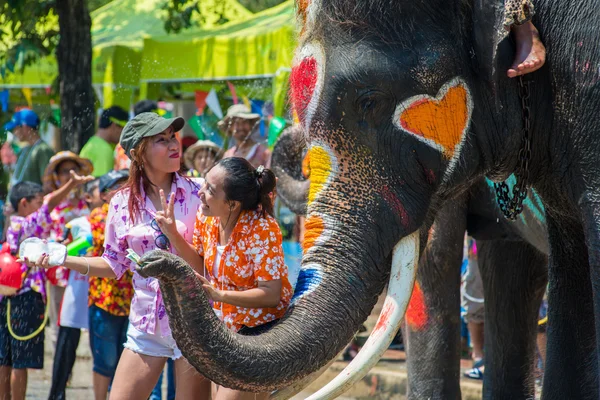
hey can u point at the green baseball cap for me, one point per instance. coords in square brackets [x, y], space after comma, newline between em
[145, 125]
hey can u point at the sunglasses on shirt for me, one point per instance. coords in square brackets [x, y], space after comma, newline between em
[161, 241]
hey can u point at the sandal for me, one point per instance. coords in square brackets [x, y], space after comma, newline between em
[475, 372]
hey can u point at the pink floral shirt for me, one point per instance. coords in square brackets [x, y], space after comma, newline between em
[147, 307]
[38, 225]
[61, 215]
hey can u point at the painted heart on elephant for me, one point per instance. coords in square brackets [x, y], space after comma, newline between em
[388, 177]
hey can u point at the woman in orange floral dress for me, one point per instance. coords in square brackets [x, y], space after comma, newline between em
[237, 251]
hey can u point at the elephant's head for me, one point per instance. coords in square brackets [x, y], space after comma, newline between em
[384, 91]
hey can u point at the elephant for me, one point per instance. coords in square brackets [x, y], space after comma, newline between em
[433, 348]
[406, 104]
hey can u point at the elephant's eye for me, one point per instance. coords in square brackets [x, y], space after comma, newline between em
[368, 103]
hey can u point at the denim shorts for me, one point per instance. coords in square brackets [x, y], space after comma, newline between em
[108, 334]
[27, 314]
[153, 345]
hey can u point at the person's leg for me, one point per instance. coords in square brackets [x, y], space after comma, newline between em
[18, 383]
[5, 354]
[56, 295]
[64, 359]
[190, 384]
[136, 375]
[5, 373]
[108, 333]
[476, 334]
[101, 384]
[530, 54]
[27, 314]
[541, 345]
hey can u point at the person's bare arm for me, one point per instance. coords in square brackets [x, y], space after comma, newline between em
[97, 265]
[60, 194]
[267, 294]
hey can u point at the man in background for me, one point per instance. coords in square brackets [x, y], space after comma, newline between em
[33, 158]
[100, 148]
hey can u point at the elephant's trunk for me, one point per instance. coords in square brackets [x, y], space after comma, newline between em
[325, 314]
[286, 162]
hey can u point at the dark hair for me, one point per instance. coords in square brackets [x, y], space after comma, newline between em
[24, 190]
[91, 186]
[248, 185]
[114, 112]
[143, 106]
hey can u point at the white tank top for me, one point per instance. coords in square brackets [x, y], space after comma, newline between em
[219, 272]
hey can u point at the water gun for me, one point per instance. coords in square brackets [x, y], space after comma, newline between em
[79, 247]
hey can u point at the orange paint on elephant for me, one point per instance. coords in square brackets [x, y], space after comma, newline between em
[314, 226]
[443, 121]
[416, 313]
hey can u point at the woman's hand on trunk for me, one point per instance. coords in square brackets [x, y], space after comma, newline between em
[213, 293]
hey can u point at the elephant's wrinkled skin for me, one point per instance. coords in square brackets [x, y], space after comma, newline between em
[374, 84]
[509, 265]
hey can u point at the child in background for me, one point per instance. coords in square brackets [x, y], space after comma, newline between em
[109, 299]
[56, 175]
[32, 219]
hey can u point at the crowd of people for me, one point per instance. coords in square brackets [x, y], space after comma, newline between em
[183, 196]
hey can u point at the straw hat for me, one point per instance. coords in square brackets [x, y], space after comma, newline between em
[49, 178]
[238, 111]
[191, 151]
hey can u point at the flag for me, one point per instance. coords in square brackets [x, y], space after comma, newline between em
[4, 95]
[232, 90]
[246, 101]
[196, 127]
[200, 101]
[27, 94]
[212, 101]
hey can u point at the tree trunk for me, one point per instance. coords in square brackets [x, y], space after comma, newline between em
[74, 56]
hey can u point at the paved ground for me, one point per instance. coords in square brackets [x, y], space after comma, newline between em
[386, 381]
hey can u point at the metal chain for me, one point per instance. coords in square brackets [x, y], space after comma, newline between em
[512, 207]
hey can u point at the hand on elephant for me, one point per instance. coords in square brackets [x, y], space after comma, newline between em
[213, 293]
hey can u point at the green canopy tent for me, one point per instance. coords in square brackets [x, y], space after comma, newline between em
[118, 32]
[256, 48]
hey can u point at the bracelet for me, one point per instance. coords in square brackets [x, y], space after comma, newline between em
[88, 266]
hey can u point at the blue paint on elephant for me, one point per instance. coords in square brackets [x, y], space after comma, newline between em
[532, 203]
[309, 279]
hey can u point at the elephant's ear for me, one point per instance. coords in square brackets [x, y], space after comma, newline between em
[488, 30]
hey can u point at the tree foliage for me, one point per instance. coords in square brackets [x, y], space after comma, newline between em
[31, 29]
[183, 14]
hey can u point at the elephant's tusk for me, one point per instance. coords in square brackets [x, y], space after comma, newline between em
[402, 278]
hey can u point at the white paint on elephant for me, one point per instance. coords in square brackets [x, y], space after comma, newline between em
[312, 50]
[405, 259]
[418, 99]
[311, 14]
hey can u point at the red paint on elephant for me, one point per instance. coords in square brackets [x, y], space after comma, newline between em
[416, 313]
[303, 80]
[390, 197]
[384, 317]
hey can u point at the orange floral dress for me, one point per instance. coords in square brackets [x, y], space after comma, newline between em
[252, 254]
